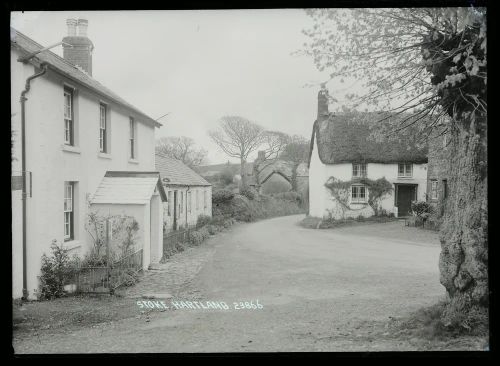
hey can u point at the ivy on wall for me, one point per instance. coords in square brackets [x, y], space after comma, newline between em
[377, 189]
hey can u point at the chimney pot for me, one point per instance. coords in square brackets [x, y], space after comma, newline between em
[323, 103]
[82, 27]
[71, 23]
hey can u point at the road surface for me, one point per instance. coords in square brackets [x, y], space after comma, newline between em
[321, 290]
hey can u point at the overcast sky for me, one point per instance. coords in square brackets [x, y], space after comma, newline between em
[198, 65]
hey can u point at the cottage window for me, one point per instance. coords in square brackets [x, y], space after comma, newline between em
[434, 189]
[68, 210]
[68, 117]
[169, 204]
[132, 138]
[359, 170]
[103, 128]
[405, 170]
[189, 198]
[358, 194]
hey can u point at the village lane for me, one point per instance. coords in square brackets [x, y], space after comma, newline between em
[321, 290]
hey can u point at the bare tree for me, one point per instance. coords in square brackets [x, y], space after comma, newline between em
[238, 137]
[181, 148]
[296, 152]
[273, 144]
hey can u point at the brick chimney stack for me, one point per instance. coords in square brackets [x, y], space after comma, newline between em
[322, 104]
[80, 54]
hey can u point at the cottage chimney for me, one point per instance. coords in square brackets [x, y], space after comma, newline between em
[322, 104]
[79, 47]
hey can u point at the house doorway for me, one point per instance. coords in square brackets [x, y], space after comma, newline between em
[404, 194]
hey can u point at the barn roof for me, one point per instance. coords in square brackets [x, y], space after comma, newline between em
[175, 172]
[347, 137]
[126, 187]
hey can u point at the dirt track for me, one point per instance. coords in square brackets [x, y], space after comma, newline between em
[321, 290]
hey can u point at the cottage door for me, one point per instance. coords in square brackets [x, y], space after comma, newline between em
[405, 194]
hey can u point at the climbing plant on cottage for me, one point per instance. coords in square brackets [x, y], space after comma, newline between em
[377, 189]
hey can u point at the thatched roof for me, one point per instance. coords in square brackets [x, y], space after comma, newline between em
[349, 138]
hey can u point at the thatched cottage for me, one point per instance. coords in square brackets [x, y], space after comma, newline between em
[352, 174]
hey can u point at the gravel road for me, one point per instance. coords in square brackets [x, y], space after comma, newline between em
[321, 290]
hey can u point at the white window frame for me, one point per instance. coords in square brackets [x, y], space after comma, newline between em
[356, 194]
[103, 128]
[359, 170]
[406, 172]
[132, 138]
[69, 122]
[69, 193]
[434, 189]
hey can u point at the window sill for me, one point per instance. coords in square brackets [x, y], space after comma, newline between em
[358, 203]
[133, 161]
[104, 155]
[72, 244]
[71, 149]
[405, 177]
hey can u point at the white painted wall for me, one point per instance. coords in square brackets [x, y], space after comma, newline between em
[186, 216]
[321, 202]
[51, 163]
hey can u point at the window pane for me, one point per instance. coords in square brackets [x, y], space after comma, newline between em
[401, 169]
[355, 170]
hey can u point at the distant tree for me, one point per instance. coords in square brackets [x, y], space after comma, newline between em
[431, 62]
[238, 137]
[272, 146]
[295, 151]
[181, 148]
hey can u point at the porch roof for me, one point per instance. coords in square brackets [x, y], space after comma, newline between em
[124, 187]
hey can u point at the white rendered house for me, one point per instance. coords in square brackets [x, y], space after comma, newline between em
[342, 148]
[74, 142]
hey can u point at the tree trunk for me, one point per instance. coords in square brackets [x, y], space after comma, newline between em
[244, 184]
[255, 173]
[463, 262]
[293, 179]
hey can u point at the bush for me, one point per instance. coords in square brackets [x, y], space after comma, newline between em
[222, 196]
[212, 229]
[204, 233]
[195, 237]
[421, 209]
[203, 220]
[290, 196]
[56, 270]
[249, 193]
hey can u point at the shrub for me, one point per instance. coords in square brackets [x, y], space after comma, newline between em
[290, 196]
[212, 229]
[195, 237]
[204, 233]
[203, 220]
[421, 209]
[56, 270]
[360, 218]
[222, 196]
[249, 193]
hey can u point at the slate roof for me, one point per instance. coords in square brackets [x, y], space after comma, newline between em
[347, 137]
[62, 66]
[128, 188]
[175, 172]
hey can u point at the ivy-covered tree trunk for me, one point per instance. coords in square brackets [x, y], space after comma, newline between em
[463, 262]
[244, 184]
